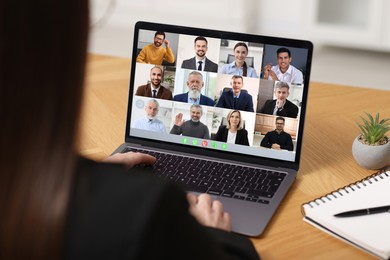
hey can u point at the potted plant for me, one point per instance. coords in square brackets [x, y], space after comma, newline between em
[371, 149]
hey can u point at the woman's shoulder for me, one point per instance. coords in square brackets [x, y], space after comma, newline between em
[243, 131]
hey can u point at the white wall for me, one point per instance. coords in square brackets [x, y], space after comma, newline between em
[113, 20]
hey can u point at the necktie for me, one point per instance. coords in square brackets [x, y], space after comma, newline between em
[275, 112]
[154, 93]
[200, 65]
[235, 101]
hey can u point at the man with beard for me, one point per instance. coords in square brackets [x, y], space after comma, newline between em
[154, 53]
[234, 98]
[154, 89]
[200, 61]
[278, 139]
[280, 106]
[284, 71]
[150, 122]
[193, 96]
[193, 127]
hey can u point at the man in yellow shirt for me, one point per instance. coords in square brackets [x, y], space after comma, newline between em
[154, 53]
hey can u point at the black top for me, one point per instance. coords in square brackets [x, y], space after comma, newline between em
[288, 110]
[119, 214]
[283, 139]
[241, 137]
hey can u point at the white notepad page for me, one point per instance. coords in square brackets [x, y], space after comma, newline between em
[369, 232]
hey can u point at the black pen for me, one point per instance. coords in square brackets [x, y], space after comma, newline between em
[362, 212]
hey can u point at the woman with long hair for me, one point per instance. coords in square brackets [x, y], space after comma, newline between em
[233, 132]
[239, 65]
[55, 204]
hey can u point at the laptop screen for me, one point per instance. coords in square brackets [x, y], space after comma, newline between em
[223, 94]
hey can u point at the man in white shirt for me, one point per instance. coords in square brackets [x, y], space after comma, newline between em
[284, 71]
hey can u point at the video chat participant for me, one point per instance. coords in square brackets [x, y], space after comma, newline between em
[149, 121]
[56, 204]
[154, 53]
[280, 106]
[239, 65]
[278, 139]
[193, 127]
[283, 71]
[154, 88]
[195, 84]
[234, 98]
[200, 61]
[233, 132]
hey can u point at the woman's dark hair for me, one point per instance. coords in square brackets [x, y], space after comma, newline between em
[43, 52]
[244, 66]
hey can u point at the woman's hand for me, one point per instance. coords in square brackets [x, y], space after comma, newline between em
[131, 159]
[209, 212]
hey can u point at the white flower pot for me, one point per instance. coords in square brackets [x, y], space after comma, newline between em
[372, 157]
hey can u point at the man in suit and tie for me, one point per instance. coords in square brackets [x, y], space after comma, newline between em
[193, 96]
[200, 61]
[154, 89]
[235, 98]
[280, 106]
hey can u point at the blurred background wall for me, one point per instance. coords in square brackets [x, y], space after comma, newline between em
[351, 37]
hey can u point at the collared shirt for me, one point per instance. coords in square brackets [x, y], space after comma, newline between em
[157, 89]
[197, 63]
[154, 125]
[276, 108]
[192, 101]
[292, 75]
[232, 69]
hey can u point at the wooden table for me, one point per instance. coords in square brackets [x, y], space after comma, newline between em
[326, 164]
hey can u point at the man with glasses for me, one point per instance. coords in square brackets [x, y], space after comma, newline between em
[154, 53]
[278, 139]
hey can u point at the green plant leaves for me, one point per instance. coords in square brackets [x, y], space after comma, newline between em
[373, 130]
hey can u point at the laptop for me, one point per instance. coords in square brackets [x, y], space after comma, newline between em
[183, 126]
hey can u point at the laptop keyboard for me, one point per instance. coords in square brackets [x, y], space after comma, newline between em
[215, 178]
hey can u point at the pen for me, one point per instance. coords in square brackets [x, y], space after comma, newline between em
[362, 212]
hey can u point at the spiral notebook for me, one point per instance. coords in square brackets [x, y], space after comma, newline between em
[368, 232]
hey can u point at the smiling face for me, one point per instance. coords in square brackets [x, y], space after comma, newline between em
[200, 48]
[158, 40]
[235, 119]
[237, 85]
[155, 77]
[196, 114]
[284, 61]
[151, 110]
[240, 53]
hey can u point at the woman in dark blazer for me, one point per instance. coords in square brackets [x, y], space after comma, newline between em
[233, 132]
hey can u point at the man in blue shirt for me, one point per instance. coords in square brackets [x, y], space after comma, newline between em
[235, 98]
[278, 139]
[150, 122]
[193, 96]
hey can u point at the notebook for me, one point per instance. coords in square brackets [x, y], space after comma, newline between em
[191, 141]
[366, 232]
